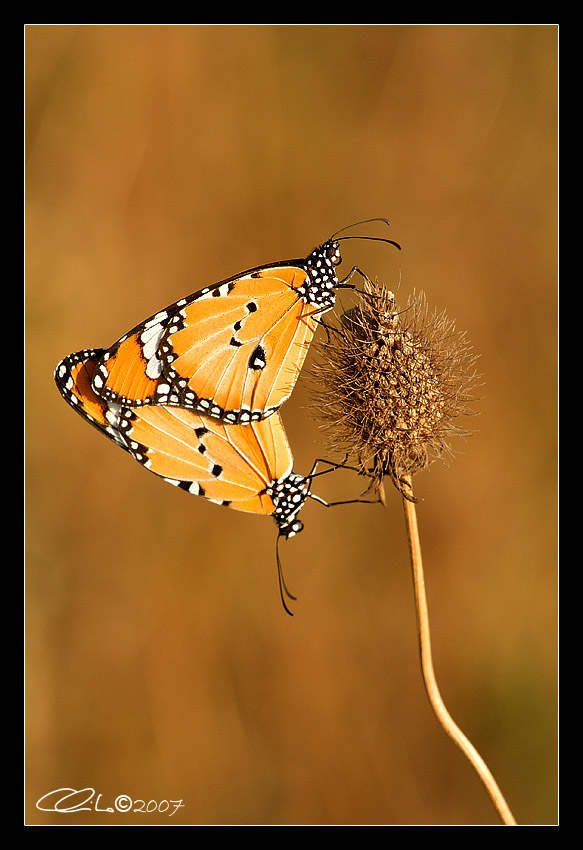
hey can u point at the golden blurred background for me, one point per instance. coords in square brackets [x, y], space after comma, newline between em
[160, 663]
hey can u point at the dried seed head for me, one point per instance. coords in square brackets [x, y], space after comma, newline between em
[388, 385]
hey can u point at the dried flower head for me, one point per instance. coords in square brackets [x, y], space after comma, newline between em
[390, 383]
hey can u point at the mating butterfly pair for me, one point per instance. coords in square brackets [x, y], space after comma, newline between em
[193, 392]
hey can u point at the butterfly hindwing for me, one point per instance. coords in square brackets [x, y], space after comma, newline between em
[232, 465]
[73, 377]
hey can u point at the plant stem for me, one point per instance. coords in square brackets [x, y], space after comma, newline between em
[435, 699]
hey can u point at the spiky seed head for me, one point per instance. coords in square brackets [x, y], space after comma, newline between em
[388, 385]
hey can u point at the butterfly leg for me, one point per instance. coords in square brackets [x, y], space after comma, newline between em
[333, 466]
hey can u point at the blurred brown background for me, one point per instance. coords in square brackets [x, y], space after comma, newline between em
[160, 663]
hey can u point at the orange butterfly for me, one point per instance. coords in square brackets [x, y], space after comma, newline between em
[233, 350]
[245, 467]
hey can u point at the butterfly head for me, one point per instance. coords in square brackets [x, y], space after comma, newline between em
[330, 250]
[321, 283]
[290, 529]
[323, 260]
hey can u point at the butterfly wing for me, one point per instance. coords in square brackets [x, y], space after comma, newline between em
[235, 355]
[130, 372]
[73, 377]
[231, 465]
[232, 351]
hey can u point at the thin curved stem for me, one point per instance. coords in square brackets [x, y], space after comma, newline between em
[435, 699]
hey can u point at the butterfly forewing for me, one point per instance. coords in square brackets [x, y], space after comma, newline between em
[237, 356]
[232, 351]
[130, 372]
[283, 349]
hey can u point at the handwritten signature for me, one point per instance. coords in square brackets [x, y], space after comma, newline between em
[66, 800]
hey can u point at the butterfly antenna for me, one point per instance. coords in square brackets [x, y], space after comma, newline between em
[282, 585]
[356, 223]
[373, 238]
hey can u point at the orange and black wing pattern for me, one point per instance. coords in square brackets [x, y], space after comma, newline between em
[231, 465]
[232, 351]
[244, 467]
[73, 377]
[237, 357]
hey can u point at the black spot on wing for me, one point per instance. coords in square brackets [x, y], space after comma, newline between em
[258, 358]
